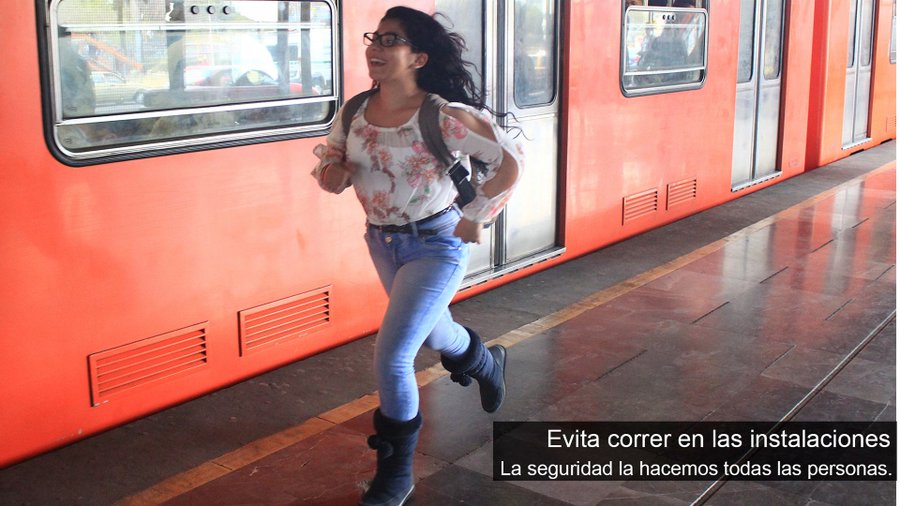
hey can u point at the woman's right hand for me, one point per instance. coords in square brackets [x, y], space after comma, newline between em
[336, 177]
[468, 231]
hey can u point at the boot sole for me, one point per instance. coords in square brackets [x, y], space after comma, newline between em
[407, 496]
[498, 352]
[389, 501]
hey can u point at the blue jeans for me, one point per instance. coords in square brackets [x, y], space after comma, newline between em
[421, 274]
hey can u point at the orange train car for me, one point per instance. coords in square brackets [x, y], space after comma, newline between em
[853, 79]
[162, 238]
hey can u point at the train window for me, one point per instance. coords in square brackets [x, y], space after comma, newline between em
[534, 68]
[664, 47]
[866, 28]
[851, 48]
[773, 39]
[458, 16]
[893, 48]
[136, 78]
[745, 41]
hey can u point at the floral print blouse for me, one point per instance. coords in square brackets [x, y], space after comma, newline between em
[396, 178]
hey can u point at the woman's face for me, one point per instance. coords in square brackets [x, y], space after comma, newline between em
[397, 62]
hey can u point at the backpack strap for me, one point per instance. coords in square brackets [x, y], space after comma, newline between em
[430, 125]
[351, 106]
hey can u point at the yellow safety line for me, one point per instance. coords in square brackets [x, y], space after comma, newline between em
[255, 451]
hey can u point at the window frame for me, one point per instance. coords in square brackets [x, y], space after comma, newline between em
[892, 45]
[767, 50]
[553, 57]
[665, 88]
[852, 34]
[750, 63]
[53, 117]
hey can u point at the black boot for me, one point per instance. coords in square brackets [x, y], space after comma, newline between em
[486, 365]
[396, 443]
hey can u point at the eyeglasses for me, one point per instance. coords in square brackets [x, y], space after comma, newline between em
[389, 39]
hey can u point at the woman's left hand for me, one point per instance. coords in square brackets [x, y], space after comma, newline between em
[468, 231]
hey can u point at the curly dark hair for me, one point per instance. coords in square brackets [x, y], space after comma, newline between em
[445, 73]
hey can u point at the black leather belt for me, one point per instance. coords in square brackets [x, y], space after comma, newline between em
[408, 228]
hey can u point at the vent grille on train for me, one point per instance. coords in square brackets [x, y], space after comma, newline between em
[639, 205]
[285, 319]
[681, 192]
[135, 365]
[891, 123]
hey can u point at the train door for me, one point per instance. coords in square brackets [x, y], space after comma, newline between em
[758, 101]
[859, 73]
[471, 24]
[515, 47]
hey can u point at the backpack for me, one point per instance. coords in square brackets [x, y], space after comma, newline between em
[429, 124]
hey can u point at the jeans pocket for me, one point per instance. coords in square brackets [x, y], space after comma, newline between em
[444, 241]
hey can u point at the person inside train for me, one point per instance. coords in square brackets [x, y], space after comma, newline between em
[676, 45]
[417, 238]
[691, 37]
[76, 84]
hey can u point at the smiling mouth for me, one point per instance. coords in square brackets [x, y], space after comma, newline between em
[376, 62]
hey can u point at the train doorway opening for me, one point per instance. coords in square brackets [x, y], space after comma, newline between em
[758, 95]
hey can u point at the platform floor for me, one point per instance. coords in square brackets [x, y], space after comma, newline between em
[778, 305]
